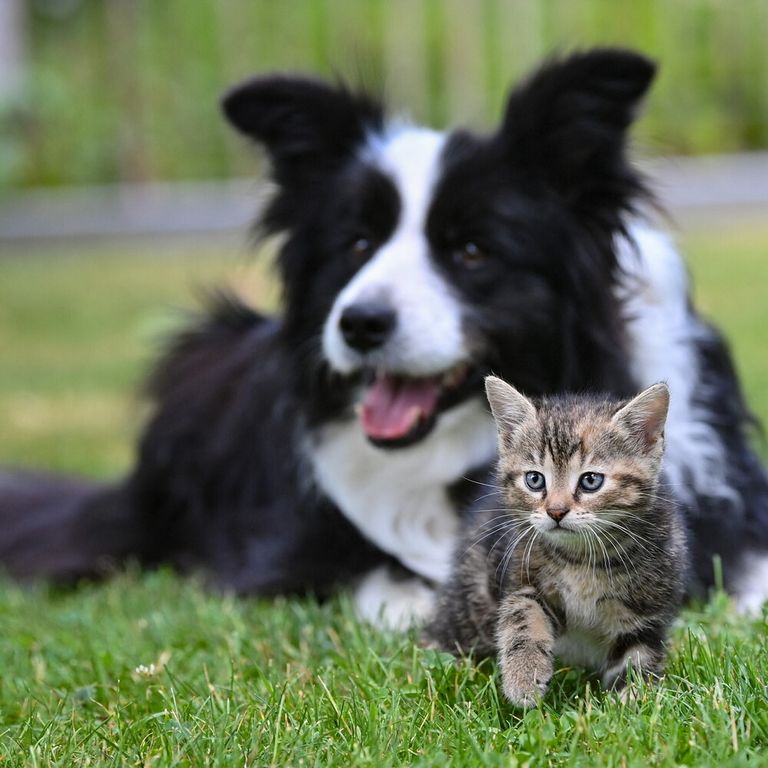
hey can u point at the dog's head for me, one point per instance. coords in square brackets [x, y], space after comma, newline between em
[416, 261]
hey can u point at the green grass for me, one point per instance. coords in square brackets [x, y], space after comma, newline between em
[247, 682]
[730, 275]
[79, 327]
[153, 670]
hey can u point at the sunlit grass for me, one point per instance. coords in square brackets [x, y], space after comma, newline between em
[729, 268]
[79, 328]
[153, 670]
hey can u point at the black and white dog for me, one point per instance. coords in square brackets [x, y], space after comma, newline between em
[343, 441]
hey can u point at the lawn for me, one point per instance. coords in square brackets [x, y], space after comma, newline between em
[80, 326]
[152, 670]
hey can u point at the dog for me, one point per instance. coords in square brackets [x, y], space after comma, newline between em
[343, 442]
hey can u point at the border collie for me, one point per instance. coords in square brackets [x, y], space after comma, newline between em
[344, 441]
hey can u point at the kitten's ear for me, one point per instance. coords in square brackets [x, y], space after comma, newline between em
[510, 409]
[645, 415]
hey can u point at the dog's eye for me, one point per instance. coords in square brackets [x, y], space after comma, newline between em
[535, 481]
[470, 255]
[361, 249]
[591, 481]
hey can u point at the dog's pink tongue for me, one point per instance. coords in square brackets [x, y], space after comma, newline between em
[393, 406]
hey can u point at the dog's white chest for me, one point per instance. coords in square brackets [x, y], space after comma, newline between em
[398, 498]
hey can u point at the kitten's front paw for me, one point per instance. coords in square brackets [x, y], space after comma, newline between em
[525, 696]
[525, 677]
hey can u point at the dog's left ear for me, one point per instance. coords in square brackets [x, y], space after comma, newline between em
[303, 123]
[568, 122]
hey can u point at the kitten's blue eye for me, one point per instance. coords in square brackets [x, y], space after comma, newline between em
[591, 481]
[535, 481]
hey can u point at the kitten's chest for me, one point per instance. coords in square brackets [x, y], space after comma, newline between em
[593, 611]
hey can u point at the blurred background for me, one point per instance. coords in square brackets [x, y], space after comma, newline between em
[122, 190]
[98, 91]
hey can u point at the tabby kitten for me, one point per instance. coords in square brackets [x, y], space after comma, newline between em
[586, 558]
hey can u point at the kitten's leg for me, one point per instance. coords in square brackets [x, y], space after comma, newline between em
[643, 651]
[526, 638]
[465, 616]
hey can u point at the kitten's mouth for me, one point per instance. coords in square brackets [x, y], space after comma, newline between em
[399, 410]
[560, 530]
[562, 536]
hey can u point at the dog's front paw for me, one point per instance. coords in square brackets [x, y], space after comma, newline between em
[525, 677]
[627, 695]
[393, 603]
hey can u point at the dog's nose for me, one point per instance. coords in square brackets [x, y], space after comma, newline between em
[366, 326]
[557, 513]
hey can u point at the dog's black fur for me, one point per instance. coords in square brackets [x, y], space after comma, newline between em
[222, 482]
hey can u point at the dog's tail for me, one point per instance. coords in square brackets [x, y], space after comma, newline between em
[62, 530]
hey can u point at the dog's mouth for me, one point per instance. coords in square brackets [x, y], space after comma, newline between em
[398, 410]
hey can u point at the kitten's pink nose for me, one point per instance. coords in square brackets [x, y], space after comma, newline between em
[557, 513]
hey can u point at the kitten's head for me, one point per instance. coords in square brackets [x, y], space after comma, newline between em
[575, 465]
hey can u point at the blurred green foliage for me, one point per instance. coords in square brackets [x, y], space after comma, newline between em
[127, 89]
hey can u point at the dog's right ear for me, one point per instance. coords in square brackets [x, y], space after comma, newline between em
[299, 119]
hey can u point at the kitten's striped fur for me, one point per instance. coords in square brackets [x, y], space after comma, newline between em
[592, 575]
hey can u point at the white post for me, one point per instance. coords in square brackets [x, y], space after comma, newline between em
[12, 48]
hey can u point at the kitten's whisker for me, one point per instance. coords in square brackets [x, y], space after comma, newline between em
[508, 510]
[486, 496]
[621, 553]
[657, 494]
[606, 556]
[500, 574]
[636, 537]
[495, 519]
[508, 552]
[506, 519]
[504, 562]
[527, 556]
[583, 533]
[650, 498]
[606, 517]
[592, 553]
[485, 533]
[505, 513]
[511, 525]
[498, 487]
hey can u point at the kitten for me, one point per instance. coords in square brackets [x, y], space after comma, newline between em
[586, 559]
